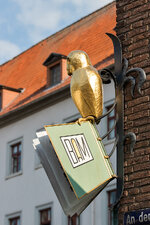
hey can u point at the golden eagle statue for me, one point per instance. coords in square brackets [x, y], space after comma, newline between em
[86, 86]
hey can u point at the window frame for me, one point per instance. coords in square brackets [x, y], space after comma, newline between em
[59, 62]
[13, 216]
[74, 220]
[11, 220]
[41, 208]
[47, 211]
[110, 222]
[16, 156]
[9, 169]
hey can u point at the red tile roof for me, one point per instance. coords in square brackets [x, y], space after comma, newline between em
[27, 70]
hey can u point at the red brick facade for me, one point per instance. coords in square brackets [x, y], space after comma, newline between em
[133, 29]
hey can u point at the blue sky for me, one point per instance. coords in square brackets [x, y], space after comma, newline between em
[24, 23]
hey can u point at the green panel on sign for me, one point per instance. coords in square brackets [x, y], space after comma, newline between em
[81, 155]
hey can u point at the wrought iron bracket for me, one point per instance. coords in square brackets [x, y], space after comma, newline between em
[131, 137]
[121, 77]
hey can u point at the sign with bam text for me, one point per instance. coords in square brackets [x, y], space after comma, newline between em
[81, 155]
[77, 149]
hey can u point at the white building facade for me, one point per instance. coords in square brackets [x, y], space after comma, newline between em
[26, 195]
[26, 192]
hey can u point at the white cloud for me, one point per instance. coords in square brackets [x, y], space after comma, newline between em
[43, 14]
[51, 15]
[8, 50]
[37, 20]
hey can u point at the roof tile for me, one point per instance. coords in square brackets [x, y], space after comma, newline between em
[27, 71]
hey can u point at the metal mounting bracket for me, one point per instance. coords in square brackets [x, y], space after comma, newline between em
[121, 77]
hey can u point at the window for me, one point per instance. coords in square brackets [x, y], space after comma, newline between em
[14, 221]
[55, 74]
[56, 68]
[112, 215]
[74, 220]
[45, 216]
[110, 123]
[16, 157]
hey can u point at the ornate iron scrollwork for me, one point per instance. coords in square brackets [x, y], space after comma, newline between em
[121, 77]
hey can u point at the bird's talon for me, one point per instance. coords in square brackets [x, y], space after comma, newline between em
[88, 118]
[79, 121]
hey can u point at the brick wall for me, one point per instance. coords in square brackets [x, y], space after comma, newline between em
[133, 29]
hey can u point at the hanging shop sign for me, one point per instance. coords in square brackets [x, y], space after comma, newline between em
[73, 154]
[76, 163]
[81, 155]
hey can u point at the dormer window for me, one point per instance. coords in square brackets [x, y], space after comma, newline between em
[54, 74]
[56, 68]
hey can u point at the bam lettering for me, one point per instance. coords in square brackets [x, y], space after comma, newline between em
[77, 149]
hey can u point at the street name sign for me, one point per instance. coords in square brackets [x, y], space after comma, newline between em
[140, 217]
[75, 161]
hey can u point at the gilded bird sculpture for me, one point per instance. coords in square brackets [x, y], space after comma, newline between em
[86, 86]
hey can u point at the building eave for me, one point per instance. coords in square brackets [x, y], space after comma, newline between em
[35, 106]
[19, 90]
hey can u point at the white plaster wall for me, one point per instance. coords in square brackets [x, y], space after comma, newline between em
[31, 189]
